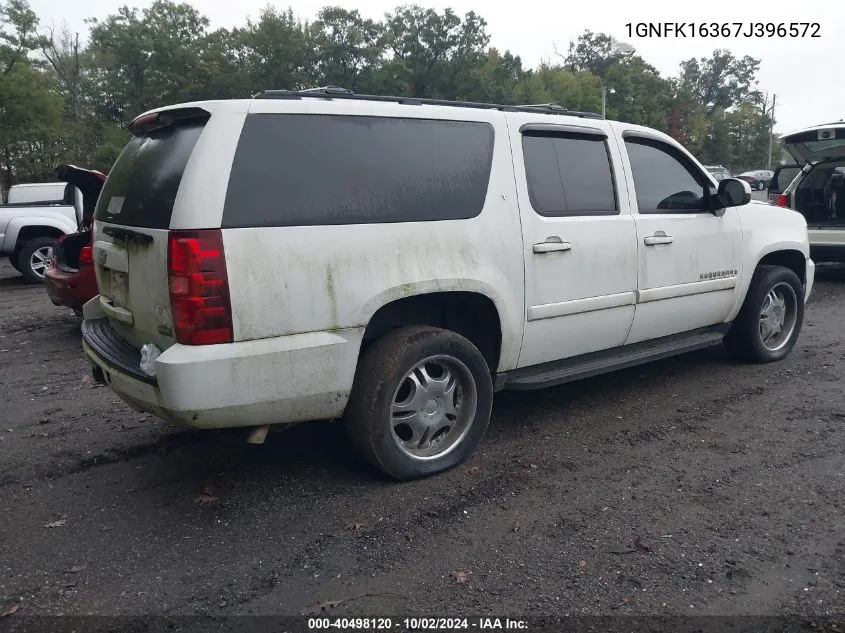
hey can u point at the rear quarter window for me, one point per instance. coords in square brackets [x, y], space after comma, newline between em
[141, 187]
[303, 169]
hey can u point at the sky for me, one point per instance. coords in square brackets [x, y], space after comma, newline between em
[807, 74]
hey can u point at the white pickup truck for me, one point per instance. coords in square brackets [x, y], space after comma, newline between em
[35, 217]
[394, 261]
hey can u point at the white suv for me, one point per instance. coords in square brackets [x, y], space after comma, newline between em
[394, 261]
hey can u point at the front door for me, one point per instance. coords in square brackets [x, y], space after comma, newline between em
[579, 240]
[689, 259]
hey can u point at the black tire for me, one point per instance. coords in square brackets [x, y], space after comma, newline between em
[381, 376]
[744, 340]
[25, 258]
[13, 260]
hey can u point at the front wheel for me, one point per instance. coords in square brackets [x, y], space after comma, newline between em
[770, 320]
[421, 402]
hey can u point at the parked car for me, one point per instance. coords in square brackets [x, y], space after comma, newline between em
[393, 262]
[718, 171]
[29, 230]
[758, 179]
[781, 177]
[70, 279]
[818, 191]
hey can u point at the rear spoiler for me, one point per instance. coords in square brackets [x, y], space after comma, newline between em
[164, 118]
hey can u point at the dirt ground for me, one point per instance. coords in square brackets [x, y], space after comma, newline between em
[690, 486]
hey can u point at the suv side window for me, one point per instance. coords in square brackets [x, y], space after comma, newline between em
[316, 169]
[665, 181]
[569, 174]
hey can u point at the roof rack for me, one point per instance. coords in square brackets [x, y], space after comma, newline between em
[336, 92]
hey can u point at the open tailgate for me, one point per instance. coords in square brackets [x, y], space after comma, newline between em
[822, 142]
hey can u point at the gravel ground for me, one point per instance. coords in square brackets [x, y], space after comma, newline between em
[689, 486]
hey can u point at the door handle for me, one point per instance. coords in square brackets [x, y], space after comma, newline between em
[659, 237]
[551, 245]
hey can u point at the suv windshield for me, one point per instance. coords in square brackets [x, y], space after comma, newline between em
[141, 188]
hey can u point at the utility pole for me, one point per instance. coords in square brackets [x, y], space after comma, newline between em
[771, 132]
[603, 98]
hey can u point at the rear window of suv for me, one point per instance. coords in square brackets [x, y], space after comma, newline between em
[141, 188]
[307, 169]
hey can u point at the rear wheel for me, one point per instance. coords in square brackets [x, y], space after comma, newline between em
[769, 322]
[35, 257]
[421, 402]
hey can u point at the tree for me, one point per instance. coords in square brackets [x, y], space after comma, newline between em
[141, 60]
[499, 78]
[349, 50]
[720, 81]
[594, 53]
[639, 94]
[62, 50]
[279, 51]
[434, 55]
[30, 110]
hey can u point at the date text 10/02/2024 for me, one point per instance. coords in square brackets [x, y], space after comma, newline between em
[723, 29]
[417, 624]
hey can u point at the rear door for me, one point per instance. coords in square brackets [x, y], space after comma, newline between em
[132, 218]
[579, 238]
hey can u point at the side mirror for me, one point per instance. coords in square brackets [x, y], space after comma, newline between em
[732, 192]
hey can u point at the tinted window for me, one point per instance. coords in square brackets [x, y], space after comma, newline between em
[293, 169]
[663, 179]
[784, 176]
[142, 184]
[568, 174]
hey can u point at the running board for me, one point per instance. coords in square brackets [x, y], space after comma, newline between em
[571, 369]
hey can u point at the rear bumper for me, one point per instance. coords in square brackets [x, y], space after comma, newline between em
[70, 289]
[269, 381]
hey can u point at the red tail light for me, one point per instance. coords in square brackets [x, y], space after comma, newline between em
[199, 287]
[782, 200]
[86, 255]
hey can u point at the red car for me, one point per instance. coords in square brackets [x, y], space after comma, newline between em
[70, 278]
